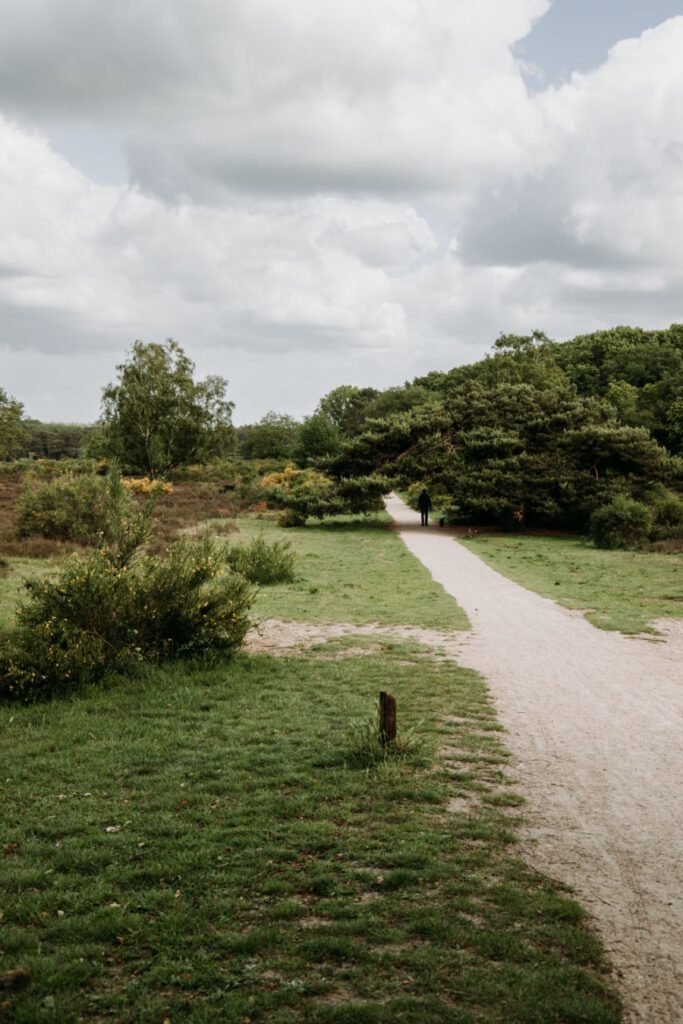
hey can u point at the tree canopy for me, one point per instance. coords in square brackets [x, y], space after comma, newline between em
[157, 416]
[537, 432]
[273, 437]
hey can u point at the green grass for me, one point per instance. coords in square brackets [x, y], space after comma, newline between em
[353, 571]
[225, 843]
[193, 846]
[621, 590]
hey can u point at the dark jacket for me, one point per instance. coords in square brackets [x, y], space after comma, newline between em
[424, 502]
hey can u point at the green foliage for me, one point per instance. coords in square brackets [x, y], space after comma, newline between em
[288, 519]
[319, 438]
[65, 508]
[104, 612]
[262, 562]
[305, 493]
[347, 406]
[512, 453]
[12, 427]
[667, 509]
[623, 523]
[394, 401]
[157, 417]
[85, 508]
[273, 437]
[55, 440]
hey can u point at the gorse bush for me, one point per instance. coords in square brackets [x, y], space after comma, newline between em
[263, 563]
[89, 509]
[622, 523]
[143, 485]
[103, 612]
[67, 508]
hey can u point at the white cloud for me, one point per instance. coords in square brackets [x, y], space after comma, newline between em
[324, 188]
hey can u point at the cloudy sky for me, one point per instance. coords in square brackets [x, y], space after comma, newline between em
[306, 193]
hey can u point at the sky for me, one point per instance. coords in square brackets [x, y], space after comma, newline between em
[307, 193]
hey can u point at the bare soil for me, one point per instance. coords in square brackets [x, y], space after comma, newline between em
[594, 725]
[276, 637]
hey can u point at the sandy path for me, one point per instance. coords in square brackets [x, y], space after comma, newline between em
[595, 726]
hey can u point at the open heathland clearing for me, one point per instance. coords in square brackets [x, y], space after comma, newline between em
[353, 570]
[228, 842]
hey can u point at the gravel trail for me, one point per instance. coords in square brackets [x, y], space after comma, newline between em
[594, 724]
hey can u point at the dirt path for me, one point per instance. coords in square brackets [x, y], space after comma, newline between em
[595, 726]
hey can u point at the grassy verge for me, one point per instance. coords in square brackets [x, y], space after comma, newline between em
[194, 847]
[353, 570]
[622, 590]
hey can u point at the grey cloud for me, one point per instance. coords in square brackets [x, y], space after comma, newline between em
[77, 59]
[48, 330]
[527, 223]
[210, 174]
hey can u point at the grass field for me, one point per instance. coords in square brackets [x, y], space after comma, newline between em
[193, 846]
[622, 590]
[353, 571]
[216, 843]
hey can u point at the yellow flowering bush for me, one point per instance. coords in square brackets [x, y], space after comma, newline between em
[143, 485]
[85, 508]
[103, 613]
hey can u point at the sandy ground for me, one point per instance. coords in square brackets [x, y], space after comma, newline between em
[594, 722]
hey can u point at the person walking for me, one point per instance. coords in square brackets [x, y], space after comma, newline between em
[424, 503]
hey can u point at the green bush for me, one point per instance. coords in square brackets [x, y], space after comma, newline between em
[289, 518]
[66, 508]
[263, 563]
[305, 493]
[102, 613]
[623, 523]
[667, 509]
[86, 508]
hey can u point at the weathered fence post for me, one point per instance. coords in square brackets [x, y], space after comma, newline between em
[387, 718]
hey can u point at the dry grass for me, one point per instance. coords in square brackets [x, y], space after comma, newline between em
[191, 503]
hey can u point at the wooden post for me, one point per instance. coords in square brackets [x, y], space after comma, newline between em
[387, 718]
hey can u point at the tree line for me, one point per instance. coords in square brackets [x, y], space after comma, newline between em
[537, 433]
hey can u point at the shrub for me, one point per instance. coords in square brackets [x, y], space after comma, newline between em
[289, 518]
[88, 509]
[66, 508]
[263, 563]
[306, 493]
[143, 485]
[101, 613]
[667, 509]
[623, 523]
